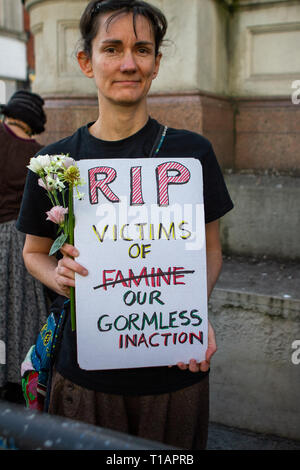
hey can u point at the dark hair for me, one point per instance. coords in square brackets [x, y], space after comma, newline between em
[89, 20]
[27, 107]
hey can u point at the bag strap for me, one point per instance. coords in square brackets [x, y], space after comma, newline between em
[158, 141]
[59, 332]
[55, 349]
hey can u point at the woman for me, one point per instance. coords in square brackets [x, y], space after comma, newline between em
[23, 307]
[121, 53]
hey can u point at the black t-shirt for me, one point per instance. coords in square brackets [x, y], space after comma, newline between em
[32, 220]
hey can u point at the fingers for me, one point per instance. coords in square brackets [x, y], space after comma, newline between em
[69, 250]
[212, 345]
[67, 265]
[203, 366]
[66, 269]
[62, 289]
[64, 280]
[193, 366]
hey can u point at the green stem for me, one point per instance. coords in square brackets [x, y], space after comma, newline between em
[56, 198]
[63, 198]
[48, 192]
[71, 241]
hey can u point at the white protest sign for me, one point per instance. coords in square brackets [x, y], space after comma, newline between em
[140, 232]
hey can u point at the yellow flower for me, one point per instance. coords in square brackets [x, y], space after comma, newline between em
[72, 175]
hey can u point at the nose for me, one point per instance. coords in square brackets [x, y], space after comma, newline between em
[128, 63]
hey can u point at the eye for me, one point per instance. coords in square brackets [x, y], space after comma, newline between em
[143, 50]
[110, 50]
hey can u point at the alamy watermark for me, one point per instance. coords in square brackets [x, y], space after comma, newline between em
[296, 93]
[2, 352]
[296, 354]
[2, 92]
[296, 344]
[151, 222]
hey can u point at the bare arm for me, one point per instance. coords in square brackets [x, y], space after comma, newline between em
[214, 266]
[213, 255]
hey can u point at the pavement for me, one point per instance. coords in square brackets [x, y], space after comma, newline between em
[261, 275]
[222, 437]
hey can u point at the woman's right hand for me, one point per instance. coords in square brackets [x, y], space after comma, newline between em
[66, 269]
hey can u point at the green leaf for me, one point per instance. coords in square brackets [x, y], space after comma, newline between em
[58, 244]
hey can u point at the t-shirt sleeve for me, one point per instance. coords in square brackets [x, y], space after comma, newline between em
[217, 201]
[32, 215]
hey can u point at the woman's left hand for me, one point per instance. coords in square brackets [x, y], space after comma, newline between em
[203, 366]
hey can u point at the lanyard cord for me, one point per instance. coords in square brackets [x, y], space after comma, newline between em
[158, 141]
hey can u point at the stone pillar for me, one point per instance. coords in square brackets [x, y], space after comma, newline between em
[54, 24]
[70, 98]
[192, 88]
[194, 55]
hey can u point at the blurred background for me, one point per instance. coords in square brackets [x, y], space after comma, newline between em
[230, 71]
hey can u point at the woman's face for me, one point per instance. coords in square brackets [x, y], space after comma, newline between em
[123, 64]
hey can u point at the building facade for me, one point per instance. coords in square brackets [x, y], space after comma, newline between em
[16, 48]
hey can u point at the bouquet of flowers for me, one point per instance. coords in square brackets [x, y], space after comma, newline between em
[57, 174]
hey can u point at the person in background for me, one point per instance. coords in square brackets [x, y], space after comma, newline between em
[23, 299]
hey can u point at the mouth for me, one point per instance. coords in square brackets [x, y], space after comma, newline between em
[127, 82]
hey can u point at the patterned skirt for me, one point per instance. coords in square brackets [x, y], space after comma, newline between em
[23, 305]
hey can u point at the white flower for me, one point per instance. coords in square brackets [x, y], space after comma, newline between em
[59, 184]
[44, 160]
[55, 167]
[50, 183]
[62, 161]
[39, 164]
[58, 158]
[79, 196]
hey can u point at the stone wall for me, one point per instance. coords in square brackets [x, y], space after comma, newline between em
[254, 382]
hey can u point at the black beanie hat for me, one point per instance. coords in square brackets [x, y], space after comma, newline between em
[28, 107]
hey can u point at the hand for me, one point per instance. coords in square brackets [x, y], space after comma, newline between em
[66, 269]
[203, 366]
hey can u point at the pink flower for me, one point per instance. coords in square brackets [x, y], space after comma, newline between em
[47, 186]
[68, 161]
[57, 214]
